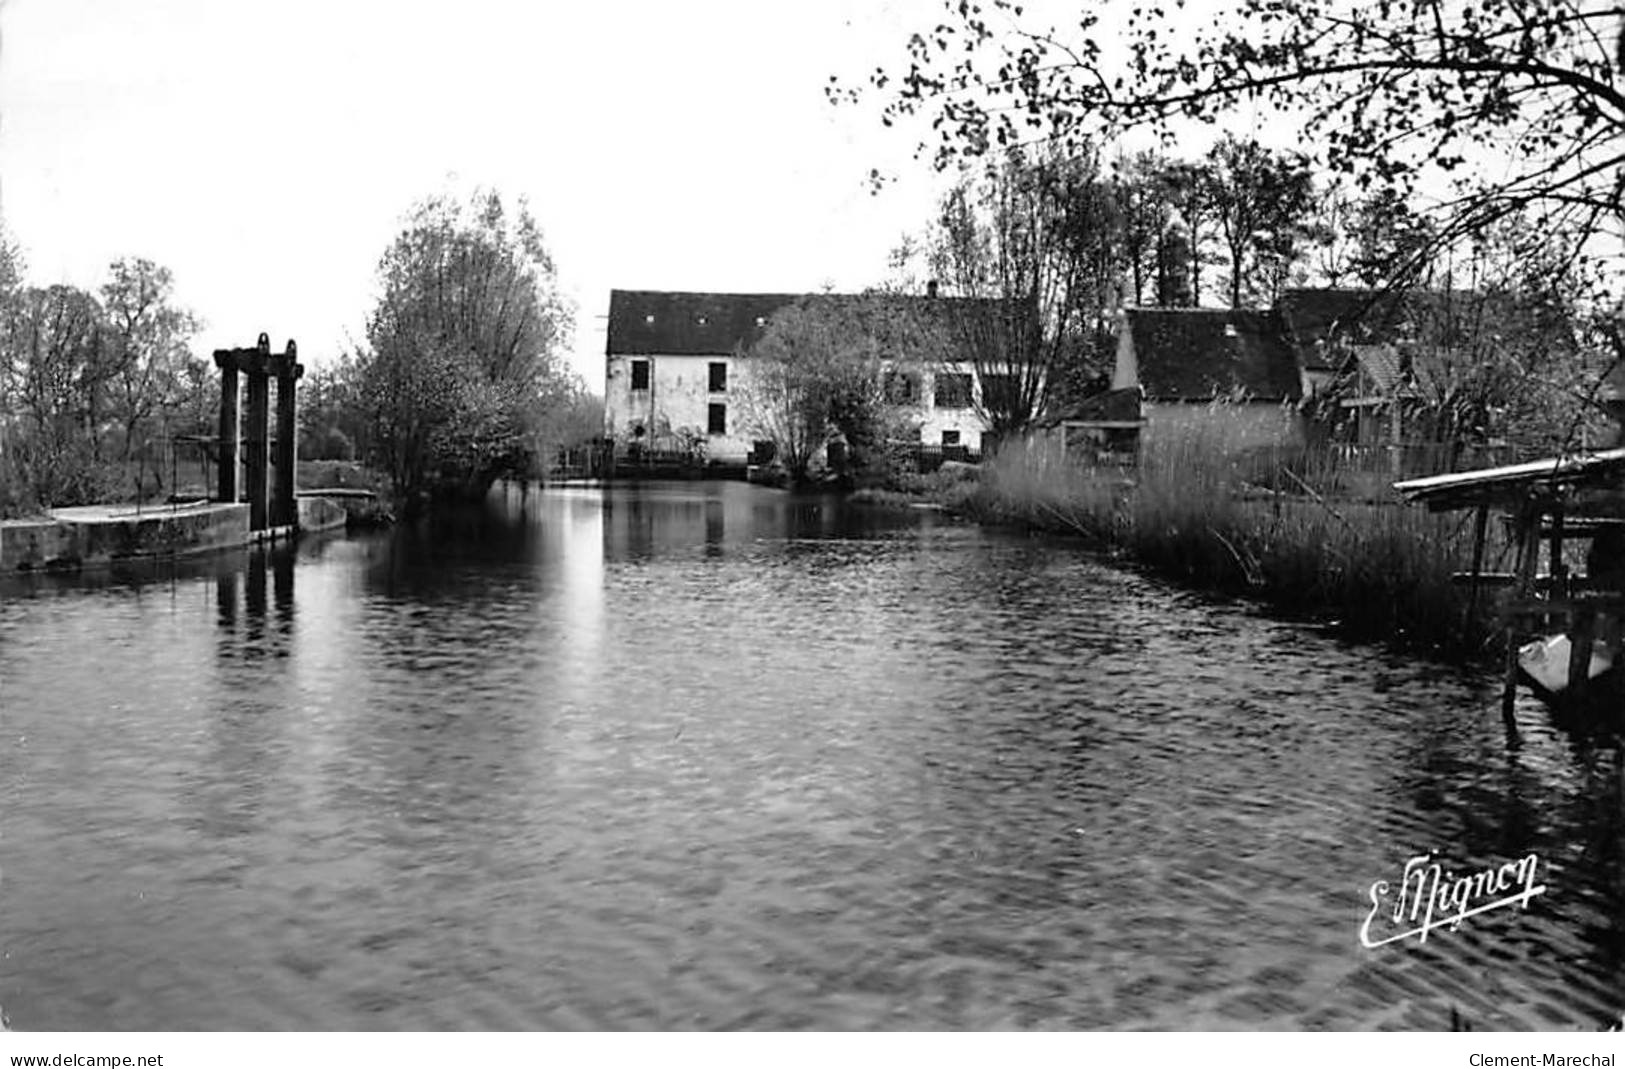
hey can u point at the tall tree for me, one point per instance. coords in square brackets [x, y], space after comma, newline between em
[80, 377]
[332, 424]
[1190, 187]
[61, 358]
[11, 269]
[1146, 214]
[11, 289]
[149, 335]
[1332, 252]
[463, 345]
[1261, 203]
[805, 357]
[821, 371]
[1035, 244]
[1391, 240]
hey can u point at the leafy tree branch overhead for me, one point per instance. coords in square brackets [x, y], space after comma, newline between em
[1516, 102]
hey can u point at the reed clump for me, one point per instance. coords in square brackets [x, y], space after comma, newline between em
[1201, 508]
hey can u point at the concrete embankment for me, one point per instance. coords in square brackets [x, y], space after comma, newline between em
[91, 535]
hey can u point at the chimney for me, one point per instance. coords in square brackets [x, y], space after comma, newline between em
[931, 288]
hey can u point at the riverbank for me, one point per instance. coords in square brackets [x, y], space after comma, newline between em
[949, 489]
[1193, 513]
[88, 536]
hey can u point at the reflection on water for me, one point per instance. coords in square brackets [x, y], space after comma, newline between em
[711, 756]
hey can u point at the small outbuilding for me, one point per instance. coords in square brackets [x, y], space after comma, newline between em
[1227, 376]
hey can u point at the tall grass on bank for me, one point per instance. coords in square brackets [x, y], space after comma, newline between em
[331, 474]
[1202, 512]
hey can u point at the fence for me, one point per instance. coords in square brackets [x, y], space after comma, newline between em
[928, 458]
[590, 460]
[1409, 460]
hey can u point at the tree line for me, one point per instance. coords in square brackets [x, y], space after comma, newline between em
[1463, 161]
[1500, 337]
[94, 386]
[460, 379]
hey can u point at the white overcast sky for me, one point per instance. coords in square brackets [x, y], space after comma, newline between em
[266, 152]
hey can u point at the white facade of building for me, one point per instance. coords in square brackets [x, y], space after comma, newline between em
[678, 375]
[672, 397]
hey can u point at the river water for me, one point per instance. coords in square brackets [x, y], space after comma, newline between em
[708, 756]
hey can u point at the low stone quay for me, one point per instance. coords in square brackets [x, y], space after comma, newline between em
[86, 536]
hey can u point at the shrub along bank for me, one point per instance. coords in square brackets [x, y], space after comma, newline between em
[1195, 513]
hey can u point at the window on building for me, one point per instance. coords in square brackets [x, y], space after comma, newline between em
[719, 377]
[950, 437]
[999, 393]
[902, 387]
[640, 374]
[717, 420]
[953, 389]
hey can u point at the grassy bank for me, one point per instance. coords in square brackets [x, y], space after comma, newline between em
[346, 475]
[341, 474]
[1196, 514]
[950, 488]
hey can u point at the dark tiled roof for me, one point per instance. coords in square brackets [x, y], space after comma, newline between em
[644, 322]
[1111, 406]
[658, 322]
[1198, 353]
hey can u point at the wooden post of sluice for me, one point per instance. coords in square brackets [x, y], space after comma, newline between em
[1582, 637]
[1528, 550]
[227, 491]
[268, 506]
[1480, 524]
[284, 491]
[257, 443]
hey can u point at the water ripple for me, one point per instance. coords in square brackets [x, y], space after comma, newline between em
[707, 757]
